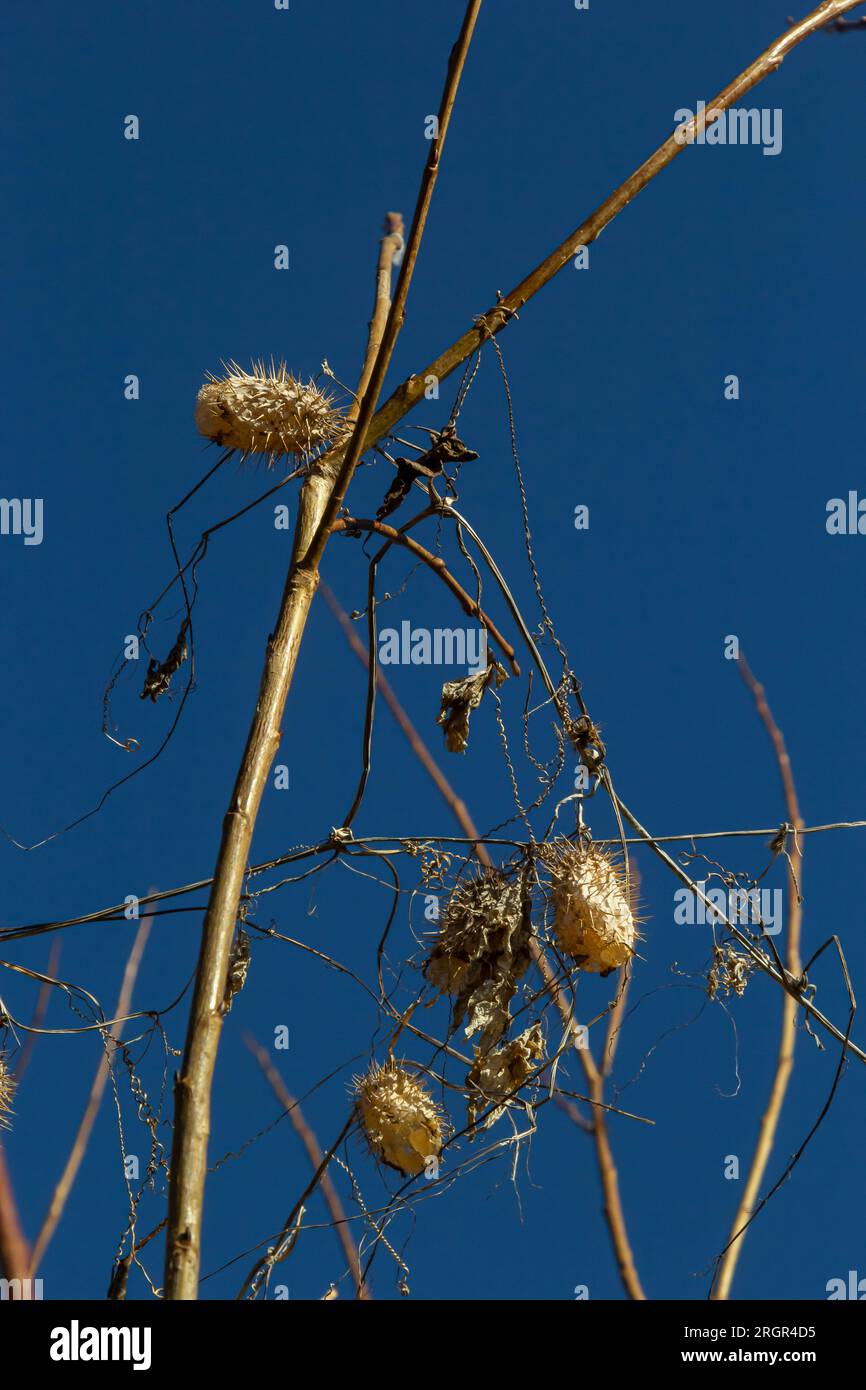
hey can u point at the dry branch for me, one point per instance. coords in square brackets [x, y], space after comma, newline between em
[314, 1153]
[14, 1251]
[788, 1034]
[91, 1110]
[39, 1012]
[14, 1248]
[437, 564]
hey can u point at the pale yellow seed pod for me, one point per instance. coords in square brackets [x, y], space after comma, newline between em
[403, 1124]
[592, 918]
[266, 411]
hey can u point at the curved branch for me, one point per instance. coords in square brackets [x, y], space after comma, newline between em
[314, 1153]
[437, 565]
[788, 1034]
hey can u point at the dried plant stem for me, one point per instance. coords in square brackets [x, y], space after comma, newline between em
[291, 1228]
[314, 1153]
[791, 984]
[412, 390]
[436, 563]
[596, 1076]
[14, 1249]
[613, 1208]
[321, 497]
[22, 1061]
[94, 1100]
[417, 744]
[359, 439]
[788, 1032]
[14, 1252]
[614, 1214]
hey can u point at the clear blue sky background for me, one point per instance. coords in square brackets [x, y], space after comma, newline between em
[707, 518]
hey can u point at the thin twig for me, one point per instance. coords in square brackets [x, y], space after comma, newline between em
[115, 913]
[763, 963]
[23, 1059]
[437, 564]
[94, 1100]
[614, 1214]
[14, 1251]
[417, 744]
[314, 1153]
[291, 1225]
[788, 1035]
[14, 1248]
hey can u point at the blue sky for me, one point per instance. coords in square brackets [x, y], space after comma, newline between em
[707, 518]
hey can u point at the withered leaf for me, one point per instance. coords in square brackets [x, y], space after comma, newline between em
[497, 1075]
[159, 673]
[459, 699]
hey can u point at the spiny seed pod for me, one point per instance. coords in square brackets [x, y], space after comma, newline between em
[7, 1092]
[403, 1124]
[593, 919]
[479, 921]
[481, 951]
[266, 411]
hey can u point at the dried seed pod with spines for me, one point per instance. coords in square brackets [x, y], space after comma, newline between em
[481, 950]
[593, 919]
[266, 411]
[7, 1093]
[402, 1122]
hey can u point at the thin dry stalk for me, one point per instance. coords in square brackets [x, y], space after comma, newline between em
[39, 1012]
[596, 1076]
[94, 1100]
[614, 1213]
[411, 391]
[314, 1153]
[788, 1033]
[14, 1248]
[14, 1251]
[321, 497]
[434, 562]
[417, 744]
